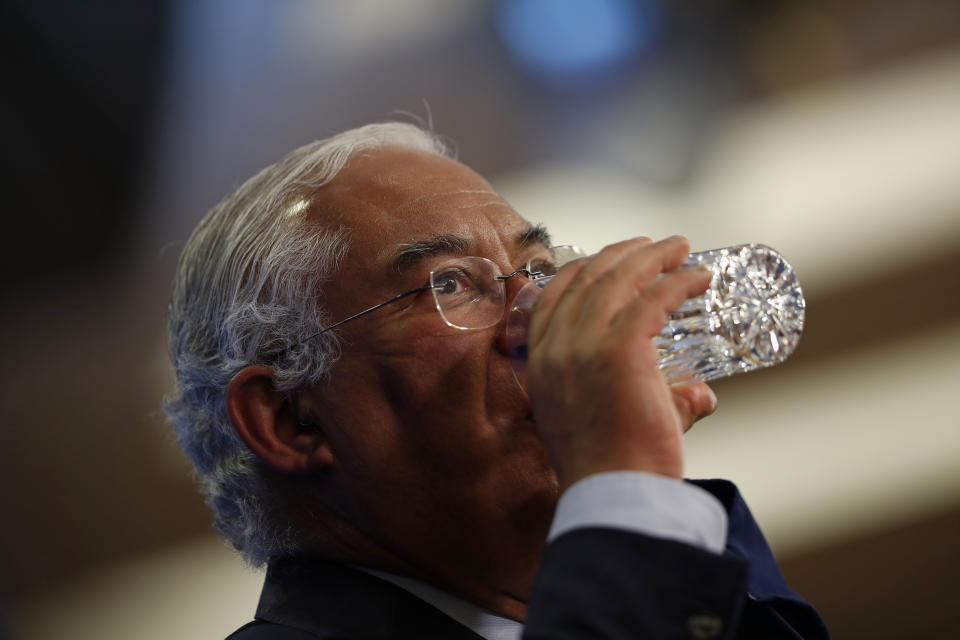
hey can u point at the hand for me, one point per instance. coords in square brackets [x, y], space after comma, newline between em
[599, 400]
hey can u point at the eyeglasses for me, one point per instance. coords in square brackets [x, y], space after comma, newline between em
[470, 292]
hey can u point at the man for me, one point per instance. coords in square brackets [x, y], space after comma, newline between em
[345, 391]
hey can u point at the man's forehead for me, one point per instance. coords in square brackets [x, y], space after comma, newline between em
[396, 182]
[394, 199]
[469, 213]
[453, 200]
[407, 173]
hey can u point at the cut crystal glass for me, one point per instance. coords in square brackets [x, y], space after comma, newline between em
[751, 316]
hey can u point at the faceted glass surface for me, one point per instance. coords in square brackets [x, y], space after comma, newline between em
[751, 317]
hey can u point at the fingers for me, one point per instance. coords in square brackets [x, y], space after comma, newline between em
[592, 292]
[605, 289]
[647, 313]
[581, 272]
[599, 399]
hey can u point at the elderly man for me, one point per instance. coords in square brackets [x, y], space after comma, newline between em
[345, 391]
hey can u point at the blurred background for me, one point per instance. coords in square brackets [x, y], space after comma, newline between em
[829, 129]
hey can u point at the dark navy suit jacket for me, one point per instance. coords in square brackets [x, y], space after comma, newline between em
[593, 583]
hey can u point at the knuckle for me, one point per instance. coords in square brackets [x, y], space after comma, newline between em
[628, 244]
[605, 278]
[649, 313]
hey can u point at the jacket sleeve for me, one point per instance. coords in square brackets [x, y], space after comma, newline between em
[608, 583]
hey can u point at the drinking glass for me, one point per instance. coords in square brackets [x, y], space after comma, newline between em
[751, 316]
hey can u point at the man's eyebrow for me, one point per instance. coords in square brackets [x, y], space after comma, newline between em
[536, 234]
[413, 253]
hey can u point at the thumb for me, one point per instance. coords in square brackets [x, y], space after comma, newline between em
[693, 401]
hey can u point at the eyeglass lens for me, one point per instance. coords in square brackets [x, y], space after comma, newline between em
[468, 294]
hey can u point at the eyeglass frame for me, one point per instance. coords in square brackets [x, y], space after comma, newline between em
[532, 274]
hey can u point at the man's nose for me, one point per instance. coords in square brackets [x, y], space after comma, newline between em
[507, 337]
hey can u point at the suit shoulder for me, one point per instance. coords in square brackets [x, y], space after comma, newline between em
[262, 630]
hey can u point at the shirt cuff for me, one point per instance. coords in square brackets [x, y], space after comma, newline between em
[646, 503]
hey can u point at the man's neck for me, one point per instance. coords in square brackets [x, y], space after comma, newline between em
[483, 593]
[504, 593]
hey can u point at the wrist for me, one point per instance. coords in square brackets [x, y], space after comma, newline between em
[668, 466]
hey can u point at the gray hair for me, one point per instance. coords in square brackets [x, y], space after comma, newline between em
[248, 290]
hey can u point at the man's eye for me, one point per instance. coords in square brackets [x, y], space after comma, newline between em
[452, 282]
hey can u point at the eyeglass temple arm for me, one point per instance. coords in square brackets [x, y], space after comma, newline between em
[366, 311]
[425, 287]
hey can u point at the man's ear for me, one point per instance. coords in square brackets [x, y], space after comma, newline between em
[267, 422]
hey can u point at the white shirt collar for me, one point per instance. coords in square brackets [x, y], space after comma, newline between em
[482, 622]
